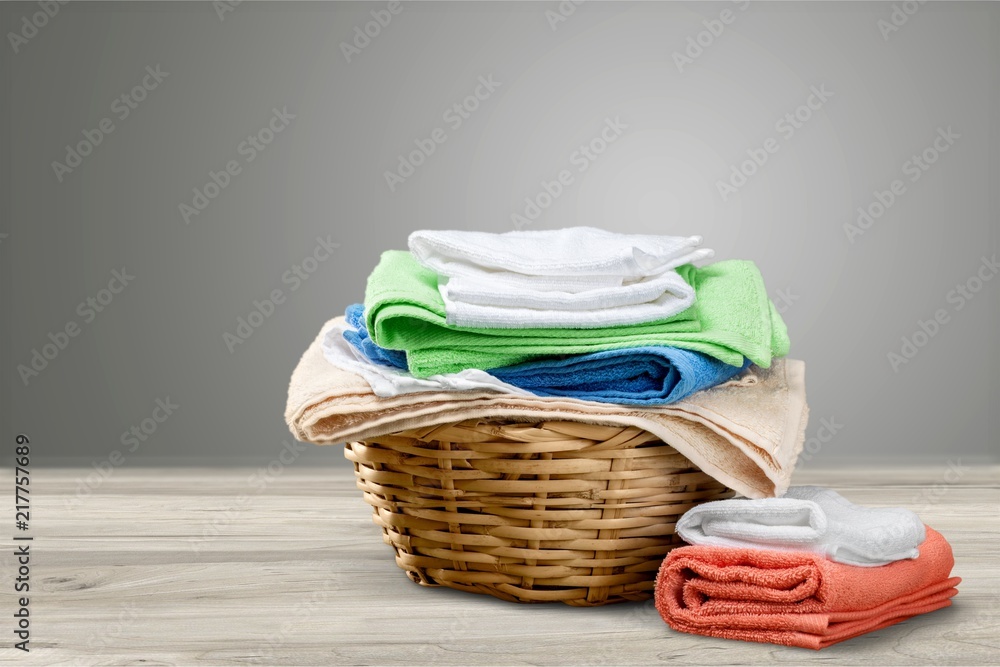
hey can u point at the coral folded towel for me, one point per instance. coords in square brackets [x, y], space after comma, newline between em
[796, 598]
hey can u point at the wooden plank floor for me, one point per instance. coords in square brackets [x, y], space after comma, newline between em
[204, 566]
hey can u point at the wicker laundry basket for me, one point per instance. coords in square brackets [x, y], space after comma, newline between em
[551, 511]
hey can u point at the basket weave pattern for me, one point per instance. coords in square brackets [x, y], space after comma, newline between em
[553, 511]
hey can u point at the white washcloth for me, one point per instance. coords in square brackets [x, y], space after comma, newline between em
[679, 297]
[520, 282]
[574, 251]
[580, 277]
[808, 518]
[387, 381]
[624, 293]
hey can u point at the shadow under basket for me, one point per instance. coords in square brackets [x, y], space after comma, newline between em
[530, 512]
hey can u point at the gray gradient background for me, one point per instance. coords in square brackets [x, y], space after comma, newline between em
[324, 175]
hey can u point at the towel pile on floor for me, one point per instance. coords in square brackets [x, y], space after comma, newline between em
[809, 569]
[575, 323]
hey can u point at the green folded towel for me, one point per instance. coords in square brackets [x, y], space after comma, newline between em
[732, 318]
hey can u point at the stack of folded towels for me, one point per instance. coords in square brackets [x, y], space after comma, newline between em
[576, 323]
[809, 569]
[576, 312]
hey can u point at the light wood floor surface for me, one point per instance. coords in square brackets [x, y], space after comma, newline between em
[205, 567]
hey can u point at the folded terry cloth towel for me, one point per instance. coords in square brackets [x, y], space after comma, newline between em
[576, 277]
[626, 376]
[732, 319]
[576, 251]
[746, 433]
[630, 376]
[357, 335]
[797, 598]
[668, 294]
[807, 518]
[490, 292]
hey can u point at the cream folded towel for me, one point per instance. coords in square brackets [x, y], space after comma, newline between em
[807, 518]
[746, 433]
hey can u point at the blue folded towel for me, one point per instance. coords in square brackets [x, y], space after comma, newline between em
[359, 339]
[652, 375]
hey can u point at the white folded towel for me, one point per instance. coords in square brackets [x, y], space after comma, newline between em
[387, 381]
[677, 298]
[580, 277]
[574, 251]
[624, 293]
[808, 518]
[520, 281]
